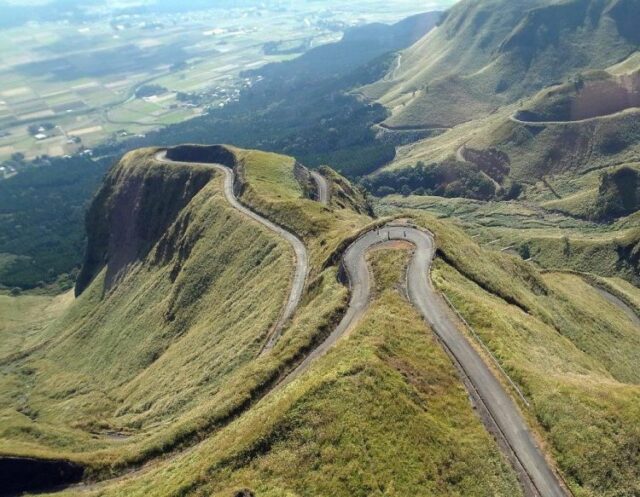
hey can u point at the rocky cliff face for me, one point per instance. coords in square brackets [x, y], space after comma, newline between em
[131, 212]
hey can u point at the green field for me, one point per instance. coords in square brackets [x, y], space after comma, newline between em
[81, 75]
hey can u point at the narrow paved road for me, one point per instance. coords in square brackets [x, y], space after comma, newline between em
[301, 256]
[323, 187]
[499, 405]
[618, 302]
[437, 314]
[630, 110]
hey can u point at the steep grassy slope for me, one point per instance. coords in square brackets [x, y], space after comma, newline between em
[165, 353]
[176, 297]
[351, 423]
[382, 414]
[486, 54]
[572, 352]
[145, 349]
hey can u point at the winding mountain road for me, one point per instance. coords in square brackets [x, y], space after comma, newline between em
[486, 388]
[487, 391]
[542, 124]
[301, 270]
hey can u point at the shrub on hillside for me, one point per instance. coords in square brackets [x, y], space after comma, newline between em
[445, 179]
[618, 195]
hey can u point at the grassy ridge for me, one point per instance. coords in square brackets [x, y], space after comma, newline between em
[188, 368]
[271, 189]
[177, 340]
[491, 53]
[560, 165]
[184, 301]
[350, 426]
[572, 352]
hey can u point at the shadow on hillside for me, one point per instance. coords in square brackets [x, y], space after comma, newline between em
[19, 475]
[205, 154]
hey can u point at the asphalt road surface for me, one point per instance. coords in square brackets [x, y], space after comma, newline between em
[301, 257]
[323, 187]
[437, 314]
[501, 408]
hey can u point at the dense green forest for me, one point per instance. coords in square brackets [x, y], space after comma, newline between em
[42, 221]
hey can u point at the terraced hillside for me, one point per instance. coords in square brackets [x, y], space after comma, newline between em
[158, 360]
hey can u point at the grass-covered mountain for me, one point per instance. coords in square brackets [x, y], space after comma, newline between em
[564, 161]
[160, 352]
[488, 53]
[151, 376]
[169, 266]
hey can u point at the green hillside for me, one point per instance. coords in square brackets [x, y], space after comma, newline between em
[161, 351]
[510, 132]
[563, 163]
[167, 269]
[489, 53]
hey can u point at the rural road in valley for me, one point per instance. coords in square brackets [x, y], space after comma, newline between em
[485, 386]
[301, 256]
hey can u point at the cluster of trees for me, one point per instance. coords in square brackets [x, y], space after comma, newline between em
[444, 179]
[618, 195]
[491, 161]
[150, 91]
[42, 221]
